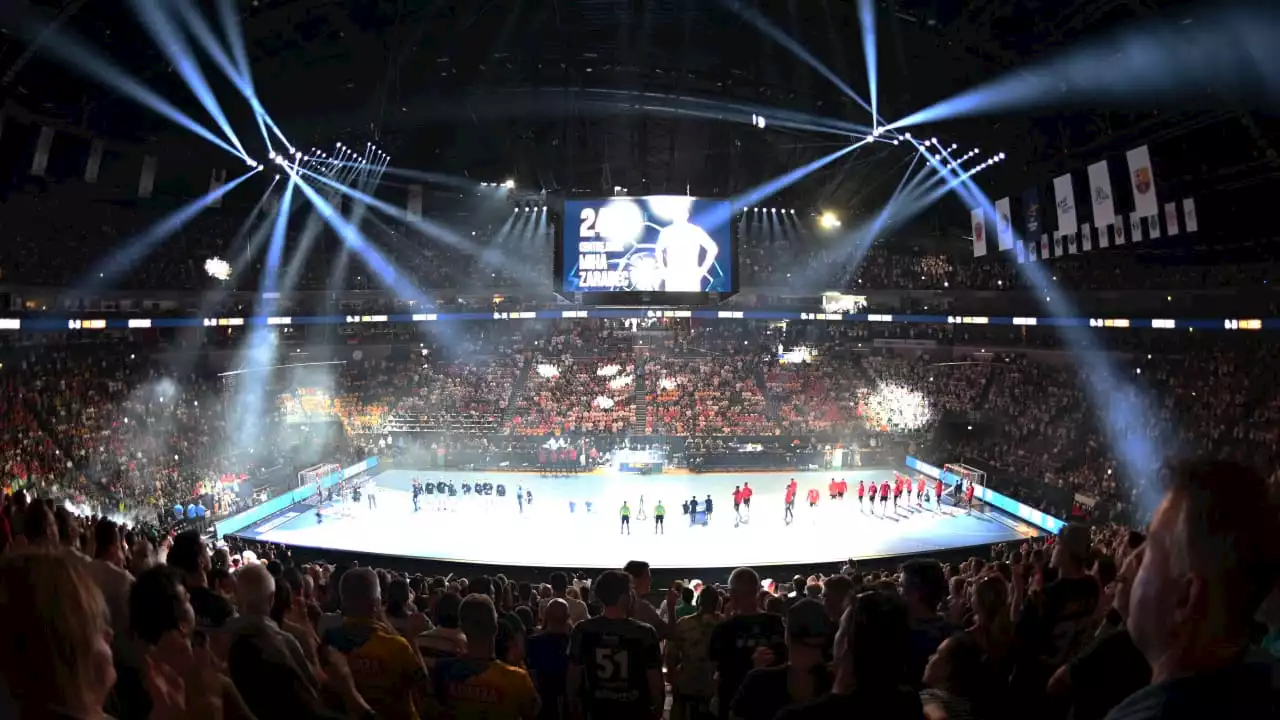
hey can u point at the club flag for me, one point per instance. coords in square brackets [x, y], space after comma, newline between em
[147, 180]
[1021, 251]
[1031, 213]
[1086, 237]
[979, 232]
[1044, 245]
[1143, 180]
[1104, 207]
[94, 163]
[1004, 224]
[1064, 199]
[1135, 228]
[1104, 236]
[415, 202]
[1171, 218]
[1058, 246]
[1189, 215]
[1153, 226]
[40, 161]
[217, 178]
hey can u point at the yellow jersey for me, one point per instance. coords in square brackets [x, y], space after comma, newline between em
[387, 672]
[471, 689]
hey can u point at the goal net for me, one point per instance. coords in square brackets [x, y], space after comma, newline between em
[959, 477]
[314, 474]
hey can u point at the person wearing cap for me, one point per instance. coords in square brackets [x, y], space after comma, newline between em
[803, 678]
[1057, 623]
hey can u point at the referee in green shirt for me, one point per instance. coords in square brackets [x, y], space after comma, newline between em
[659, 514]
[625, 512]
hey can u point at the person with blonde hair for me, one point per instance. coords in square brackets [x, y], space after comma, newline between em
[56, 632]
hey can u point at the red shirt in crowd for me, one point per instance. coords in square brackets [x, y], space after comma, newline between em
[813, 495]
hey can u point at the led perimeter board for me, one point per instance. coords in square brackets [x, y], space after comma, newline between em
[650, 245]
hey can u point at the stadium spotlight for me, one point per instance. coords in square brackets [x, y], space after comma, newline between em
[829, 221]
[907, 136]
[933, 140]
[509, 184]
[1001, 156]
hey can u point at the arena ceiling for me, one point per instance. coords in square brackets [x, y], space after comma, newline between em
[544, 90]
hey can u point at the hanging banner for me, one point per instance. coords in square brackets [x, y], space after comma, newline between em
[415, 202]
[1153, 226]
[1058, 246]
[1135, 228]
[1189, 215]
[1021, 251]
[1143, 181]
[1064, 200]
[1171, 218]
[94, 164]
[1044, 246]
[979, 232]
[147, 181]
[1104, 235]
[1104, 208]
[1031, 213]
[1004, 224]
[217, 178]
[1086, 237]
[40, 161]
[1033, 251]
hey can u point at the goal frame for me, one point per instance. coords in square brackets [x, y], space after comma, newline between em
[315, 473]
[954, 472]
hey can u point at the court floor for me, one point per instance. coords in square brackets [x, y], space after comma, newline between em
[547, 533]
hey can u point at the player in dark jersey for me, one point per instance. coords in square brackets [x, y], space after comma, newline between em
[615, 666]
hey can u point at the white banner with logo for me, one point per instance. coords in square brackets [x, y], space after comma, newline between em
[1044, 246]
[1143, 181]
[1104, 207]
[1064, 200]
[1171, 218]
[1189, 215]
[1004, 224]
[1086, 237]
[1135, 227]
[979, 233]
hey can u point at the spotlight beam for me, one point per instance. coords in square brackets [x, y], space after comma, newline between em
[867, 19]
[1230, 49]
[175, 48]
[761, 23]
[353, 238]
[141, 245]
[77, 55]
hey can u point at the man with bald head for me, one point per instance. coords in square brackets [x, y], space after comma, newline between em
[1208, 563]
[387, 672]
[549, 661]
[255, 593]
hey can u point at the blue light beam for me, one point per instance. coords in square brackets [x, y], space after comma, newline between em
[867, 19]
[1231, 50]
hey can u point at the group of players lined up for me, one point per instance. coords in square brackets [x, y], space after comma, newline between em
[444, 494]
[836, 489]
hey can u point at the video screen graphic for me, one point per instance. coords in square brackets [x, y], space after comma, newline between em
[660, 243]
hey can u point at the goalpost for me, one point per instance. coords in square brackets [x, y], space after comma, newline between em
[314, 474]
[959, 477]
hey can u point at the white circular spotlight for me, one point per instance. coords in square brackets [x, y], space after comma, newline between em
[1001, 156]
[907, 136]
[933, 140]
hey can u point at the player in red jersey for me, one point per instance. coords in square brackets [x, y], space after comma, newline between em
[833, 488]
[789, 512]
[897, 492]
[793, 486]
[937, 492]
[843, 487]
[747, 492]
[884, 497]
[874, 489]
[862, 491]
[813, 497]
[737, 502]
[968, 498]
[920, 491]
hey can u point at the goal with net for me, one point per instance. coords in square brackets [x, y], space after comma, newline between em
[958, 477]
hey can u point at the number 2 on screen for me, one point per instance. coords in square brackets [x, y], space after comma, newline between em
[588, 228]
[612, 664]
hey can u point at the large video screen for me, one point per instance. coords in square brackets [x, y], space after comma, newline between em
[660, 243]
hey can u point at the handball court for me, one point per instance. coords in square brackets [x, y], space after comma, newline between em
[545, 533]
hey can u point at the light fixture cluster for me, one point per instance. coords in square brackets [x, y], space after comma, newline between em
[773, 210]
